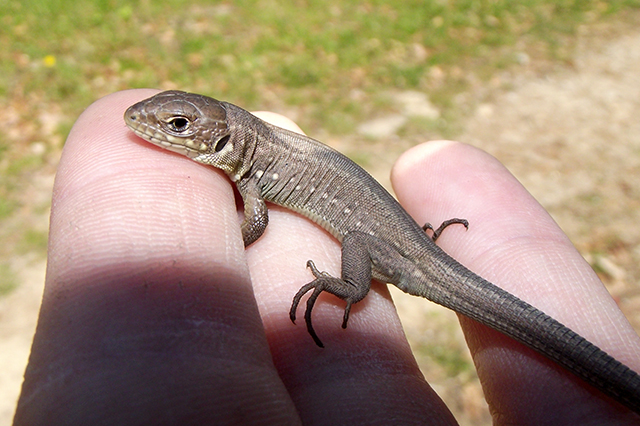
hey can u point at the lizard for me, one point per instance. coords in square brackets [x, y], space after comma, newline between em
[379, 239]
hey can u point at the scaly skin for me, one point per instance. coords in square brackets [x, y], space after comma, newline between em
[379, 238]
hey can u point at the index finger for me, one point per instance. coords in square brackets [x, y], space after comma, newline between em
[148, 311]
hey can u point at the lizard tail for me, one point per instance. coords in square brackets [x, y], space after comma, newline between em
[488, 304]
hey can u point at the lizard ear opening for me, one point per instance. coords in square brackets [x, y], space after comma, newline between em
[221, 143]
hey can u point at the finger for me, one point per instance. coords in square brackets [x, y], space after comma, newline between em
[278, 120]
[515, 244]
[148, 314]
[366, 373]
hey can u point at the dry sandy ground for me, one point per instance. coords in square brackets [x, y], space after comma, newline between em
[571, 136]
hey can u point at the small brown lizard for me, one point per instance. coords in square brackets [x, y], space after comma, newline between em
[379, 238]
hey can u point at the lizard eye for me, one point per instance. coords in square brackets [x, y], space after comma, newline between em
[179, 124]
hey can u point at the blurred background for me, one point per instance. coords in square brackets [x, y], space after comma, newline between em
[549, 87]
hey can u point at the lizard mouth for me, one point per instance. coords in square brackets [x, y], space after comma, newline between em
[183, 146]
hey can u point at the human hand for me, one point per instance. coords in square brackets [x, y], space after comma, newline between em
[154, 313]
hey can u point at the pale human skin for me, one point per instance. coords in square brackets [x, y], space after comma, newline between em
[154, 313]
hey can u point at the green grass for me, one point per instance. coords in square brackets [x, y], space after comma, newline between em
[8, 279]
[33, 241]
[450, 359]
[310, 54]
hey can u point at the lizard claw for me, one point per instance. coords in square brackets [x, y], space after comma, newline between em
[318, 285]
[345, 318]
[318, 288]
[437, 232]
[307, 313]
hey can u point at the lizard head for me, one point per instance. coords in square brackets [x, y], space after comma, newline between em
[188, 124]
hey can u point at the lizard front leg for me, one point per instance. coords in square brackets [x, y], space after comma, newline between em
[361, 253]
[256, 214]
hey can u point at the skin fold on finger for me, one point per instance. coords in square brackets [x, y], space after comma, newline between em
[148, 315]
[366, 373]
[515, 244]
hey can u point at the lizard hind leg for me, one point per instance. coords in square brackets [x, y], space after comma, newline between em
[324, 282]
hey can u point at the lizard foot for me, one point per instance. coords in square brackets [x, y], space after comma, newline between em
[323, 282]
[437, 232]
